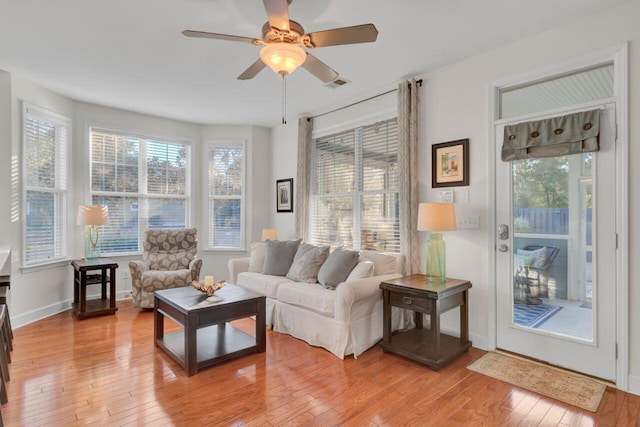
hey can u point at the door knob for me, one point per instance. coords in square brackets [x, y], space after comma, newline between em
[503, 248]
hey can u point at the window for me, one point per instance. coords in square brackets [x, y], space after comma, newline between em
[45, 141]
[354, 191]
[225, 165]
[143, 181]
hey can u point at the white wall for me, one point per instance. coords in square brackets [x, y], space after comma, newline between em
[454, 104]
[37, 293]
[284, 143]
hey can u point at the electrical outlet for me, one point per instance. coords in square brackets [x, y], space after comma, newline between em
[125, 274]
[468, 222]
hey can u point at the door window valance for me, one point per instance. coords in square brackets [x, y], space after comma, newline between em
[559, 136]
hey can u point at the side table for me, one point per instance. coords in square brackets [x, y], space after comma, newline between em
[94, 307]
[422, 296]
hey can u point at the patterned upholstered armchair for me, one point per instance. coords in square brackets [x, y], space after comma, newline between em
[168, 261]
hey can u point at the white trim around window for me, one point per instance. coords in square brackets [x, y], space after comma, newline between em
[145, 181]
[224, 190]
[45, 145]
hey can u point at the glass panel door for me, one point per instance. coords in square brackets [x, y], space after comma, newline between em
[549, 246]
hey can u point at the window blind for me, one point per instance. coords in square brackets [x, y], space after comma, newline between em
[142, 181]
[45, 141]
[226, 195]
[355, 188]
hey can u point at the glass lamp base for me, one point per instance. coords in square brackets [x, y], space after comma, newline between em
[90, 251]
[436, 257]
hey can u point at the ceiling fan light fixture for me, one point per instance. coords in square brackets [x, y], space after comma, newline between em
[283, 58]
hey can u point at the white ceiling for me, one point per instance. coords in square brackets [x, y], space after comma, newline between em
[130, 54]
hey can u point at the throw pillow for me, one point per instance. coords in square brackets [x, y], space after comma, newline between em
[363, 270]
[382, 263]
[538, 256]
[279, 256]
[307, 263]
[337, 267]
[256, 260]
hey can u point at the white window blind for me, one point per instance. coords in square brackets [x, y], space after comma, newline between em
[226, 195]
[45, 142]
[143, 181]
[354, 200]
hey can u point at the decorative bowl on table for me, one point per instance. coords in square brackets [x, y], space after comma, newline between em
[208, 288]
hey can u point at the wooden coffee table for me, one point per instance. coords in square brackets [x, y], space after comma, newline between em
[207, 338]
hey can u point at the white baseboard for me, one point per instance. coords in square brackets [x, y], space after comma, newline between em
[39, 314]
[634, 384]
[55, 308]
[477, 341]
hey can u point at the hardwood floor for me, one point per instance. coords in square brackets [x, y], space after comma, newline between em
[106, 371]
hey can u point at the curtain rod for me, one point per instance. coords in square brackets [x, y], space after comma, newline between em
[418, 82]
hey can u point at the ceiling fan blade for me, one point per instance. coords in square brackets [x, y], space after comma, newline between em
[364, 33]
[254, 69]
[206, 35]
[319, 69]
[278, 13]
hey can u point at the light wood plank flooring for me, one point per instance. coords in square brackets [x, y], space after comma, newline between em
[106, 371]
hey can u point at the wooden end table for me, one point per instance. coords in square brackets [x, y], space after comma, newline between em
[422, 296]
[207, 339]
[95, 307]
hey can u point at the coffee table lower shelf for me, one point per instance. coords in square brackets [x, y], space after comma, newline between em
[417, 345]
[216, 344]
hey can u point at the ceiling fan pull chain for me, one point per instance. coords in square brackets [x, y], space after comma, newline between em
[284, 99]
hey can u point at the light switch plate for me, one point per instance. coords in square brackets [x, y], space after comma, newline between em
[471, 222]
[445, 196]
[462, 195]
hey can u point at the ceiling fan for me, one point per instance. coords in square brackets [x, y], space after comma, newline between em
[282, 39]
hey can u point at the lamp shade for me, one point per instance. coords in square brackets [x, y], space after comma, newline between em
[436, 217]
[269, 234]
[93, 215]
[283, 58]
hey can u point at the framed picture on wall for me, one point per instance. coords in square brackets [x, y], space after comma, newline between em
[284, 195]
[450, 164]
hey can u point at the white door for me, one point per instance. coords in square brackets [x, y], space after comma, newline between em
[555, 259]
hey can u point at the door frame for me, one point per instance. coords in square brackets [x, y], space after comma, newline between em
[619, 55]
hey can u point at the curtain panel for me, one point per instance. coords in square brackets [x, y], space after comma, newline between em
[303, 178]
[558, 136]
[408, 174]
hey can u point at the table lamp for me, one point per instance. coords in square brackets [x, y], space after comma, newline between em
[92, 215]
[436, 217]
[269, 234]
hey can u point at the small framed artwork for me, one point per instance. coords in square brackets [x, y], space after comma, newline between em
[450, 164]
[284, 195]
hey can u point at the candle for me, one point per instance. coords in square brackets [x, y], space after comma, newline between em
[208, 280]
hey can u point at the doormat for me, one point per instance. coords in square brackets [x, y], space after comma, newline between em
[567, 387]
[533, 315]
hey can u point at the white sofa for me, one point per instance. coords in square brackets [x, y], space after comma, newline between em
[347, 320]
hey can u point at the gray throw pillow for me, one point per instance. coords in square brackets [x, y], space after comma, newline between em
[307, 262]
[337, 267]
[279, 256]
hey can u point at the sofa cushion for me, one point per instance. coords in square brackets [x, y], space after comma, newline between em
[337, 267]
[307, 263]
[279, 256]
[382, 263]
[261, 283]
[363, 270]
[311, 296]
[256, 260]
